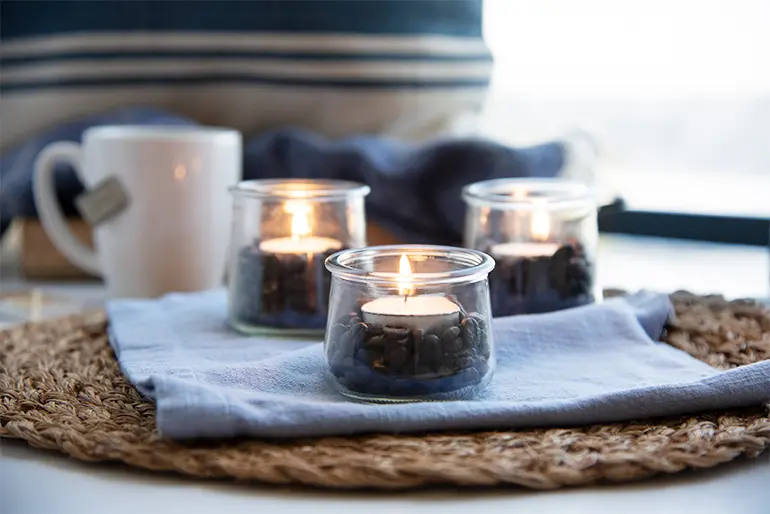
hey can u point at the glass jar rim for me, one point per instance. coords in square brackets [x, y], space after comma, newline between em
[477, 264]
[299, 188]
[549, 194]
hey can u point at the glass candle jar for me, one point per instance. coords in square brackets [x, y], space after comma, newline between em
[409, 323]
[543, 235]
[282, 232]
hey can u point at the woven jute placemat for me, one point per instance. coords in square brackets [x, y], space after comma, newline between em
[61, 389]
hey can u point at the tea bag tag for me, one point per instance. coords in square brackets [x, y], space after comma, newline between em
[103, 202]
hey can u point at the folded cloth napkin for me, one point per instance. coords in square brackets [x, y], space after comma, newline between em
[591, 364]
[423, 180]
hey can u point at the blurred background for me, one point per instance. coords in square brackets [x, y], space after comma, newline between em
[675, 94]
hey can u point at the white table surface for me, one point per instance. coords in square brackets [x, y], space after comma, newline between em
[39, 482]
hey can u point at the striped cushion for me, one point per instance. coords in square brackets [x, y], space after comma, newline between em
[404, 68]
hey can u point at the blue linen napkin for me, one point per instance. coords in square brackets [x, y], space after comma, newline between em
[424, 180]
[591, 364]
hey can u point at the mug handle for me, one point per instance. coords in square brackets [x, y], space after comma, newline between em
[48, 208]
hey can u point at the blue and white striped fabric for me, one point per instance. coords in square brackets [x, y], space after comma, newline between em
[407, 69]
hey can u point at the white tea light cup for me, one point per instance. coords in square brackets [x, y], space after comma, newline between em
[173, 233]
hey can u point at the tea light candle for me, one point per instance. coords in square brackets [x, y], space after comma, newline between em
[437, 345]
[538, 276]
[523, 250]
[283, 231]
[540, 228]
[299, 245]
[542, 234]
[283, 282]
[300, 242]
[420, 312]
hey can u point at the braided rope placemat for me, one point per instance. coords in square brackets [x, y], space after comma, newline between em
[61, 389]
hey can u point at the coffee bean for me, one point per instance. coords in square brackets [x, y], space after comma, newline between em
[295, 264]
[470, 330]
[480, 320]
[453, 346]
[448, 358]
[410, 366]
[562, 256]
[482, 348]
[376, 343]
[395, 333]
[432, 339]
[464, 362]
[354, 320]
[362, 357]
[271, 263]
[449, 336]
[406, 343]
[417, 337]
[429, 353]
[578, 278]
[395, 358]
[375, 357]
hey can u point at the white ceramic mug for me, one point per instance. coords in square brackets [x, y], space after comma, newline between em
[173, 234]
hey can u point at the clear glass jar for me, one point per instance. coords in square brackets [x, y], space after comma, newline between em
[543, 235]
[282, 232]
[409, 323]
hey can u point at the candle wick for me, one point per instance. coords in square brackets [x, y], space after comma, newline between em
[405, 297]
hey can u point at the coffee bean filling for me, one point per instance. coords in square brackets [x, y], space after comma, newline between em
[395, 361]
[284, 291]
[530, 285]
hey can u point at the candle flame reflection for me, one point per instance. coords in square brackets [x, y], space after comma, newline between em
[300, 218]
[180, 172]
[540, 225]
[405, 276]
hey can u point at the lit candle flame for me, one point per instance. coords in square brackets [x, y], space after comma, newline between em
[541, 225]
[519, 193]
[300, 218]
[405, 276]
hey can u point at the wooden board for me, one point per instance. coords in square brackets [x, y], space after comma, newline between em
[40, 260]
